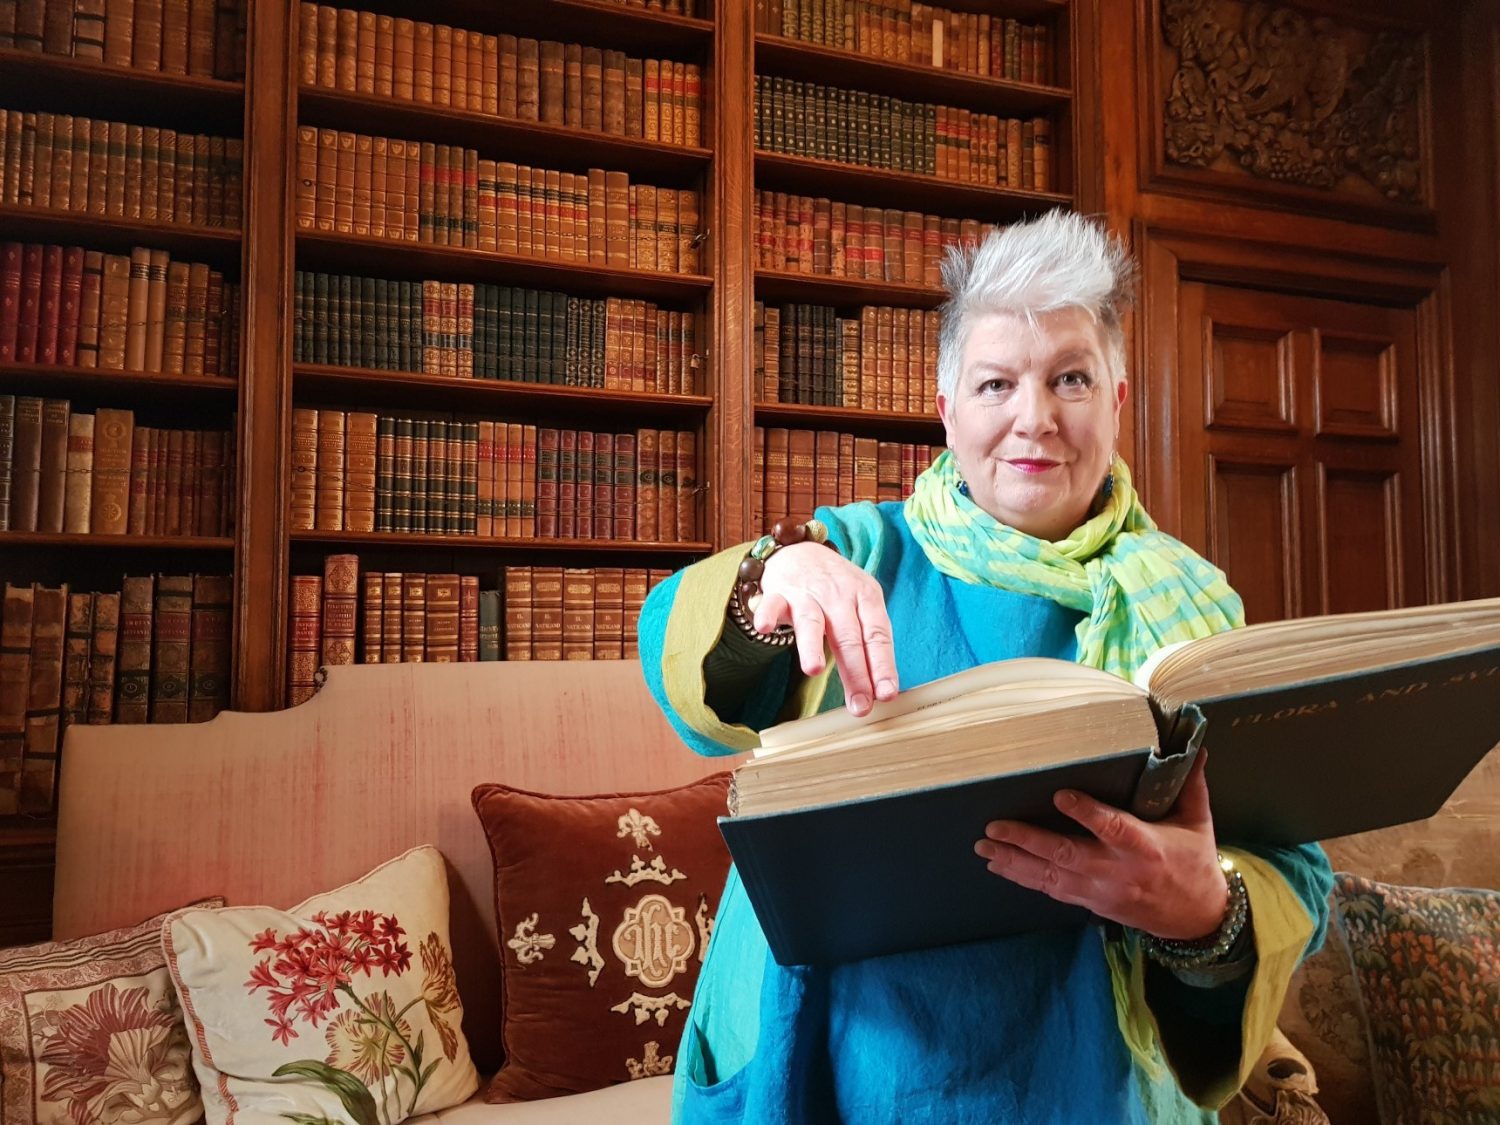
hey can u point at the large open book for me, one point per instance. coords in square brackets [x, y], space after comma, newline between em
[854, 836]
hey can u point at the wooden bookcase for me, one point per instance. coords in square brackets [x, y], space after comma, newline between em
[725, 167]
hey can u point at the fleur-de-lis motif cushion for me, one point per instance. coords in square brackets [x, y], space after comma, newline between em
[343, 1009]
[604, 906]
[1427, 963]
[91, 1034]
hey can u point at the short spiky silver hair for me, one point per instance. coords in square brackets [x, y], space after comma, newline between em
[1059, 261]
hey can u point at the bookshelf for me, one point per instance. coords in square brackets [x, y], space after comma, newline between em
[708, 292]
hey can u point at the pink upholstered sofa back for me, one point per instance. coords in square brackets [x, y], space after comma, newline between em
[270, 808]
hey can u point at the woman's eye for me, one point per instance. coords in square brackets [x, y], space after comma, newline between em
[1075, 382]
[994, 386]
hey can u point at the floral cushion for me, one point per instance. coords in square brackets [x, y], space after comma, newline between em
[604, 906]
[1427, 963]
[343, 1008]
[91, 1034]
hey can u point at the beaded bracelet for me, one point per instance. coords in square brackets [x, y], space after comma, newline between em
[746, 595]
[1182, 956]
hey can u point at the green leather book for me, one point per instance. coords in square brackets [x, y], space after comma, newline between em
[1314, 728]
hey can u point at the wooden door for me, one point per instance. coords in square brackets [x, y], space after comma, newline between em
[1300, 457]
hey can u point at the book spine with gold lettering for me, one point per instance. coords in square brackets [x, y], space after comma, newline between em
[518, 612]
[340, 608]
[578, 614]
[304, 647]
[38, 780]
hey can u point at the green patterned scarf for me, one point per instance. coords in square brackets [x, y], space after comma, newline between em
[1139, 588]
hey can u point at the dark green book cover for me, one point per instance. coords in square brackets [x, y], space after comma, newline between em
[1321, 758]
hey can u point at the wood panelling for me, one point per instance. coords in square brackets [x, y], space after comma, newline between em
[1304, 414]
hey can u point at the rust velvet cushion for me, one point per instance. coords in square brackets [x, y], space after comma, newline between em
[604, 906]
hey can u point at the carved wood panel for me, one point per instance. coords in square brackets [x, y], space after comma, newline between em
[1273, 104]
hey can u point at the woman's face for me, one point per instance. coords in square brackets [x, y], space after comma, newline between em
[1033, 419]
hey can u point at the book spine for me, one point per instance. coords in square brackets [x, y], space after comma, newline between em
[305, 633]
[340, 608]
[468, 618]
[133, 660]
[517, 612]
[15, 688]
[52, 488]
[103, 642]
[372, 615]
[578, 614]
[547, 613]
[171, 658]
[413, 618]
[489, 624]
[38, 781]
[80, 469]
[208, 681]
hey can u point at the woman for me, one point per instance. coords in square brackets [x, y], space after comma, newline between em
[1024, 539]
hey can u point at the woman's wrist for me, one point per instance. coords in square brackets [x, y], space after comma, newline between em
[745, 597]
[1225, 946]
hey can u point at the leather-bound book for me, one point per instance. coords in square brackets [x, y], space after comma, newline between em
[413, 618]
[419, 478]
[687, 486]
[345, 49]
[213, 323]
[666, 486]
[38, 781]
[617, 519]
[360, 464]
[888, 471]
[343, 182]
[776, 471]
[489, 625]
[484, 512]
[633, 595]
[372, 616]
[363, 183]
[174, 36]
[146, 48]
[688, 250]
[846, 469]
[15, 689]
[208, 675]
[172, 498]
[304, 644]
[692, 104]
[103, 643]
[578, 614]
[616, 219]
[386, 50]
[53, 466]
[468, 618]
[442, 65]
[340, 608]
[136, 323]
[364, 53]
[304, 483]
[613, 78]
[528, 80]
[26, 463]
[517, 612]
[508, 72]
[30, 296]
[119, 32]
[7, 456]
[392, 618]
[634, 98]
[505, 503]
[651, 100]
[133, 660]
[489, 54]
[548, 441]
[468, 496]
[213, 471]
[74, 706]
[825, 468]
[550, 82]
[307, 43]
[547, 613]
[567, 484]
[528, 490]
[668, 248]
[78, 474]
[174, 320]
[155, 315]
[331, 470]
[11, 257]
[609, 613]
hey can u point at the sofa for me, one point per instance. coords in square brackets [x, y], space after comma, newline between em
[385, 757]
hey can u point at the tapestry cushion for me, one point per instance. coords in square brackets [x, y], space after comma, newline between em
[1427, 963]
[343, 1008]
[91, 1034]
[604, 906]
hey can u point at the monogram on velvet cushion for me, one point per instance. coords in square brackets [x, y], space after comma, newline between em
[342, 1009]
[91, 1034]
[1428, 967]
[604, 906]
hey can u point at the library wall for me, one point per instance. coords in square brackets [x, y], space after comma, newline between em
[376, 333]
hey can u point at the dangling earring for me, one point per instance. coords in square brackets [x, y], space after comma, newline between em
[1109, 485]
[963, 488]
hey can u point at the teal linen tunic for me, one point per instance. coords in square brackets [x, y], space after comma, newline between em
[1022, 1029]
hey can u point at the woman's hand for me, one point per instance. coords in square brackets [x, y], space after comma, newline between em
[823, 595]
[1160, 877]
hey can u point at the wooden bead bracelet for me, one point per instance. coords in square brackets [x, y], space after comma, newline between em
[746, 596]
